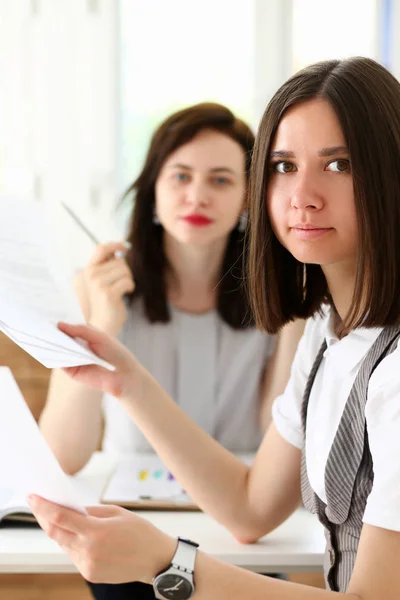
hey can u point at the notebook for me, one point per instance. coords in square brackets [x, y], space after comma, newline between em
[13, 507]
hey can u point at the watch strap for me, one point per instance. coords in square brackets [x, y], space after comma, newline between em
[185, 555]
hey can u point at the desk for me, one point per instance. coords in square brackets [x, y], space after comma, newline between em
[296, 546]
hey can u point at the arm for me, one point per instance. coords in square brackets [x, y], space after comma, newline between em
[72, 418]
[375, 577]
[249, 502]
[137, 551]
[71, 421]
[278, 368]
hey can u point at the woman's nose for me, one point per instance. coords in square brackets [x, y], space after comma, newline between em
[306, 195]
[197, 194]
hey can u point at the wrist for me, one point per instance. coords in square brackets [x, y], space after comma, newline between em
[163, 554]
[138, 386]
[176, 582]
[104, 326]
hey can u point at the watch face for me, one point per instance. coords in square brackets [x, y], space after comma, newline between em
[174, 587]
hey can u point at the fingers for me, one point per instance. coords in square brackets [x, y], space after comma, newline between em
[104, 347]
[105, 275]
[122, 287]
[113, 277]
[102, 344]
[108, 348]
[97, 378]
[104, 252]
[100, 271]
[64, 538]
[56, 517]
[109, 266]
[104, 268]
[104, 511]
[92, 336]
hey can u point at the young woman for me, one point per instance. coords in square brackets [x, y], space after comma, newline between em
[325, 228]
[176, 300]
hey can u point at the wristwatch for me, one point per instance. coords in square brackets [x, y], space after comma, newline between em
[176, 582]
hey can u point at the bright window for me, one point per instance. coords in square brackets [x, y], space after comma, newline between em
[339, 29]
[191, 52]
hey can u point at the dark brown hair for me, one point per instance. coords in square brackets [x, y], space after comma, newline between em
[366, 100]
[147, 259]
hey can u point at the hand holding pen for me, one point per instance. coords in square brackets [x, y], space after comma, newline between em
[104, 282]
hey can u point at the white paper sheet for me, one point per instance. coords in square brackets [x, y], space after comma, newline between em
[34, 294]
[27, 465]
[142, 477]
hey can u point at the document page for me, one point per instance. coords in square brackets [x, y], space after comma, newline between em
[34, 292]
[143, 477]
[27, 465]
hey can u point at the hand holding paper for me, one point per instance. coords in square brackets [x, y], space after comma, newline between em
[34, 295]
[125, 367]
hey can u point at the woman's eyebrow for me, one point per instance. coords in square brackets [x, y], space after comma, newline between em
[282, 154]
[223, 169]
[333, 150]
[329, 151]
[180, 166]
[212, 170]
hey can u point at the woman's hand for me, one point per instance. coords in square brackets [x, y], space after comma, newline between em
[107, 278]
[110, 544]
[120, 382]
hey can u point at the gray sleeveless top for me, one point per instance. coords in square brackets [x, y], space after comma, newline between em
[211, 370]
[349, 472]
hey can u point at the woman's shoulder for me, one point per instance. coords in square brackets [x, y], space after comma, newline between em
[385, 380]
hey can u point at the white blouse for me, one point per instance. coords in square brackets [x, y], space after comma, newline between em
[211, 370]
[329, 394]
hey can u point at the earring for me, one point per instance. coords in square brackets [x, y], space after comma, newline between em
[243, 219]
[156, 220]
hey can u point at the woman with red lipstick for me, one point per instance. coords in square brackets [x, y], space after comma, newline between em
[324, 244]
[176, 298]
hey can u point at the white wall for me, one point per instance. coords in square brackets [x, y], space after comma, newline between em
[58, 110]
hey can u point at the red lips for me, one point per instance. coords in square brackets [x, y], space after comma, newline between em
[197, 220]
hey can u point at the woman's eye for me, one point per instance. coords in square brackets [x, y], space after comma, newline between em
[181, 177]
[339, 165]
[221, 180]
[284, 167]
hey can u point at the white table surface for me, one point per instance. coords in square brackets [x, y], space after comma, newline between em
[297, 545]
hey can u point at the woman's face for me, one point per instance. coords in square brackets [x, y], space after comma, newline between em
[310, 194]
[200, 189]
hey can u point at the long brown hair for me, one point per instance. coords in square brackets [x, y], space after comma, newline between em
[147, 259]
[366, 100]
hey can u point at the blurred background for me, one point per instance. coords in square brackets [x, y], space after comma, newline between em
[84, 82]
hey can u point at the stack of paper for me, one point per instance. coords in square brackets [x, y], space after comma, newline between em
[34, 293]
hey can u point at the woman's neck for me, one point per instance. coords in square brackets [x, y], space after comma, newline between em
[194, 274]
[341, 280]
